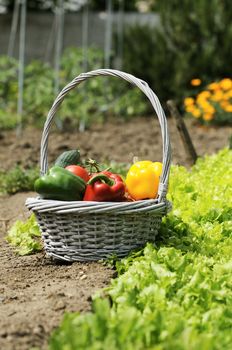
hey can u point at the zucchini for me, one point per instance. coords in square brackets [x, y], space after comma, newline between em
[68, 158]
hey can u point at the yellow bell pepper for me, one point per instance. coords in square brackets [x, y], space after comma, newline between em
[142, 180]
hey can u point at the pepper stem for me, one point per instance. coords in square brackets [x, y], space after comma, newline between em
[102, 178]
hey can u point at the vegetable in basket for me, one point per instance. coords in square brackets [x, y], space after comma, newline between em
[60, 184]
[68, 158]
[105, 187]
[142, 180]
[79, 171]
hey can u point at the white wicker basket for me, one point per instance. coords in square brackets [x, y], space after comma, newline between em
[82, 231]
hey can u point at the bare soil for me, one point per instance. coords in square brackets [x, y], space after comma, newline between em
[119, 141]
[35, 291]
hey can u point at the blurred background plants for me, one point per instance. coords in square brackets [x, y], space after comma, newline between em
[179, 50]
[94, 100]
[192, 40]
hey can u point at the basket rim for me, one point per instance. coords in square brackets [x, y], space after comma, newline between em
[40, 205]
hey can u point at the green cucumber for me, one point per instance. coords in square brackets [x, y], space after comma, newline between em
[68, 158]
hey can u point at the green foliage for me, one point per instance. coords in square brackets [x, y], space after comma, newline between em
[18, 179]
[118, 168]
[130, 104]
[8, 120]
[38, 91]
[187, 44]
[98, 97]
[72, 61]
[25, 236]
[205, 217]
[91, 101]
[84, 102]
[8, 82]
[177, 294]
[147, 56]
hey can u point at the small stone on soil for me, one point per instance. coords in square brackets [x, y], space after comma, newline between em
[60, 305]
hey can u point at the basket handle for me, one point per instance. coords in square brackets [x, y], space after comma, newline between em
[143, 86]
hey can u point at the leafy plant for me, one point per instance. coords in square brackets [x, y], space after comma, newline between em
[38, 91]
[93, 100]
[25, 236]
[177, 294]
[131, 104]
[8, 120]
[118, 168]
[72, 61]
[18, 179]
[147, 56]
[98, 97]
[84, 102]
[184, 45]
[8, 82]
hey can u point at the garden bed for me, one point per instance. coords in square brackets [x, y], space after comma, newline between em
[35, 292]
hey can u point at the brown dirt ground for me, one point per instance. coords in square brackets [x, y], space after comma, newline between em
[34, 290]
[114, 141]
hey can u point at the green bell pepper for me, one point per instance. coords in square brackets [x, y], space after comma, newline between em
[60, 184]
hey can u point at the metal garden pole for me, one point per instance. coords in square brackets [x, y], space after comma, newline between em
[85, 36]
[120, 29]
[59, 42]
[58, 50]
[50, 42]
[22, 33]
[107, 47]
[13, 30]
[108, 34]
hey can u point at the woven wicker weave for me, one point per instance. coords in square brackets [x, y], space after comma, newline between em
[82, 231]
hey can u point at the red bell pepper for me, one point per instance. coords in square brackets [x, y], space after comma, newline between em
[105, 187]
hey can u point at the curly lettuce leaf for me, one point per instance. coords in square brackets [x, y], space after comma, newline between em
[25, 236]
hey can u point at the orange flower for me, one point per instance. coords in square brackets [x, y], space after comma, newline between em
[215, 95]
[228, 108]
[226, 84]
[203, 95]
[207, 116]
[228, 95]
[196, 113]
[218, 96]
[195, 82]
[210, 109]
[224, 103]
[204, 104]
[188, 101]
[191, 108]
[213, 86]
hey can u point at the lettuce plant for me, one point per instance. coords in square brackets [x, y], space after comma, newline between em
[176, 294]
